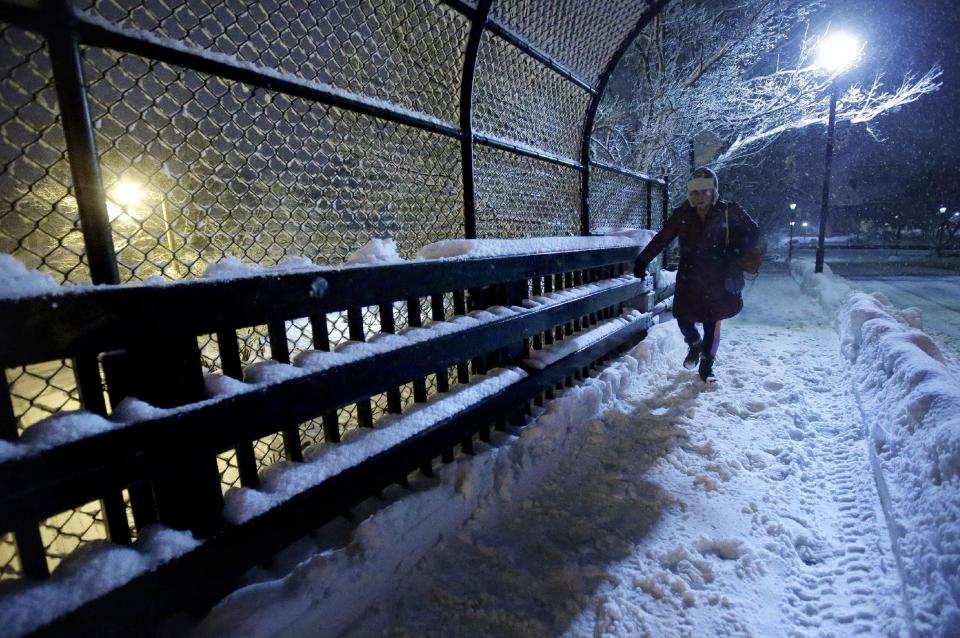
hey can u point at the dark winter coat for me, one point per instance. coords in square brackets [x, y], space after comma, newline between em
[702, 292]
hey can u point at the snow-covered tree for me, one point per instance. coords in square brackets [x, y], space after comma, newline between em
[739, 74]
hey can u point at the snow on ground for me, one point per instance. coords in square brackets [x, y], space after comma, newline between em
[745, 508]
[910, 401]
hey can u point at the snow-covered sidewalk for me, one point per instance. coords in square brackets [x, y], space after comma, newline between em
[748, 508]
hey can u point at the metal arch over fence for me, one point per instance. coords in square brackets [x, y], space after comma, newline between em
[496, 36]
[268, 134]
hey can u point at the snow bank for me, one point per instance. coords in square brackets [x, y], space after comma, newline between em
[88, 573]
[16, 280]
[665, 278]
[910, 403]
[831, 291]
[333, 589]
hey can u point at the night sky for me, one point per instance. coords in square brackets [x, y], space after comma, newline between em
[917, 166]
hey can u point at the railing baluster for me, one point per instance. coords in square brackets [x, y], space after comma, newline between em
[476, 301]
[321, 341]
[33, 557]
[460, 308]
[415, 320]
[280, 351]
[389, 325]
[356, 333]
[536, 292]
[86, 370]
[233, 367]
[437, 313]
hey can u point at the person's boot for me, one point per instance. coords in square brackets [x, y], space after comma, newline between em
[706, 368]
[693, 355]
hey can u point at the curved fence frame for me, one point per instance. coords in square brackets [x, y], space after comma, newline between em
[69, 39]
[66, 29]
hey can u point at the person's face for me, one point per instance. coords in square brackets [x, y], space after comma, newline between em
[701, 198]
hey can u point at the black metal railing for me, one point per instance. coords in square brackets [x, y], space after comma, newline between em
[142, 342]
[298, 132]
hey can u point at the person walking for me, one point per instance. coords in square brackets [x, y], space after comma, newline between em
[714, 235]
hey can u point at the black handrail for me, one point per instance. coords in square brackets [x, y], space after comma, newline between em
[100, 319]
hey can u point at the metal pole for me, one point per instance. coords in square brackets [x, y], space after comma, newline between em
[825, 202]
[790, 246]
[666, 199]
[653, 9]
[81, 146]
[466, 118]
[648, 187]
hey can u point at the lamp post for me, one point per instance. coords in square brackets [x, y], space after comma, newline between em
[793, 223]
[838, 52]
[941, 231]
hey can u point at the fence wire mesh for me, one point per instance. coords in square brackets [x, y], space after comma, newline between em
[522, 197]
[620, 201]
[197, 168]
[405, 52]
[568, 30]
[519, 100]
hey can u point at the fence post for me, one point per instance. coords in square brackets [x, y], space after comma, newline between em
[466, 117]
[81, 145]
[648, 187]
[167, 373]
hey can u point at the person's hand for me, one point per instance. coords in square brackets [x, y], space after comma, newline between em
[639, 269]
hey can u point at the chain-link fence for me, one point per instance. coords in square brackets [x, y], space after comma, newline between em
[270, 130]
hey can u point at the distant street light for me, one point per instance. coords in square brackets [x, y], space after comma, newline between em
[793, 207]
[838, 52]
[125, 193]
[943, 209]
[129, 193]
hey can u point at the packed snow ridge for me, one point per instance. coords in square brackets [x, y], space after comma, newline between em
[910, 403]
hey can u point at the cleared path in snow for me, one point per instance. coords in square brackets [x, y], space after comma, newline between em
[746, 508]
[937, 297]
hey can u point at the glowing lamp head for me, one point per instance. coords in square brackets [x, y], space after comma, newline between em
[838, 52]
[943, 209]
[792, 223]
[793, 207]
[804, 224]
[126, 193]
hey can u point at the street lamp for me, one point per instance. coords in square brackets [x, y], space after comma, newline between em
[838, 52]
[129, 193]
[793, 207]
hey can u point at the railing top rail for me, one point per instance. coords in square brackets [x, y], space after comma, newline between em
[94, 319]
